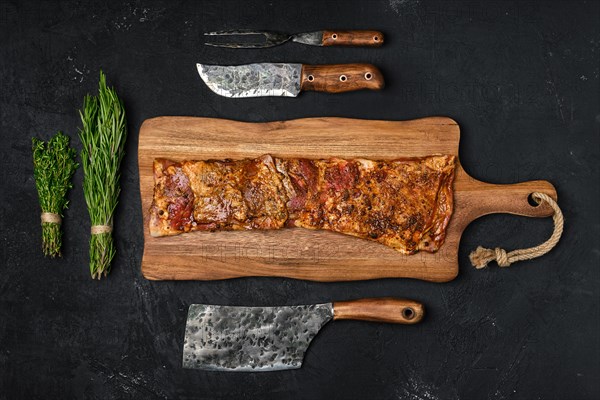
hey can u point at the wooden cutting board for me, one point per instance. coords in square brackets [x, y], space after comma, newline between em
[301, 253]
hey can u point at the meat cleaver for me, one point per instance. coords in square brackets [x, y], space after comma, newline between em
[228, 338]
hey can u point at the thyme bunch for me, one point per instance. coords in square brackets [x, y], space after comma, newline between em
[53, 168]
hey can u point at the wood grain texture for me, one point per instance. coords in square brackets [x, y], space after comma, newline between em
[382, 309]
[353, 38]
[301, 253]
[338, 78]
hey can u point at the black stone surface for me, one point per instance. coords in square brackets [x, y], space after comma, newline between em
[522, 80]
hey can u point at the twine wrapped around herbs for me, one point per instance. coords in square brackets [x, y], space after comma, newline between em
[51, 218]
[481, 257]
[100, 229]
[103, 137]
[53, 168]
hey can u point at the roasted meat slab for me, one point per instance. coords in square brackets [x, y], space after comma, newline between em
[405, 204]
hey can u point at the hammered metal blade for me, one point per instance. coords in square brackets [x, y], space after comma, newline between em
[252, 80]
[225, 338]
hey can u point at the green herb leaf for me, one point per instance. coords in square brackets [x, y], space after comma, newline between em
[103, 134]
[53, 168]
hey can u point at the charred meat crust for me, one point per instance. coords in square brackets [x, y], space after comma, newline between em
[405, 204]
[173, 204]
[216, 195]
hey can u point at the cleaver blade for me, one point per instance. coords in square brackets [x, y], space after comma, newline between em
[230, 338]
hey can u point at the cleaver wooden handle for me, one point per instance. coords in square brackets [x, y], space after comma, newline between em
[383, 309]
[352, 38]
[338, 78]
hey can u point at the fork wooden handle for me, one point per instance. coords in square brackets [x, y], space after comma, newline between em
[352, 38]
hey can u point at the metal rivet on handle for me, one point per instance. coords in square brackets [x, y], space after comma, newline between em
[408, 313]
[343, 78]
[368, 76]
[334, 36]
[311, 78]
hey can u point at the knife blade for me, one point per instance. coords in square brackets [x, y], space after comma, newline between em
[230, 338]
[288, 80]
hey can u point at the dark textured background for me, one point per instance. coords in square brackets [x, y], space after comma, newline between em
[521, 78]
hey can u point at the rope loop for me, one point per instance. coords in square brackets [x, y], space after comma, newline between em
[481, 257]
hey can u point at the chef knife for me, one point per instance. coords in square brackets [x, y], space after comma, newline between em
[228, 338]
[267, 79]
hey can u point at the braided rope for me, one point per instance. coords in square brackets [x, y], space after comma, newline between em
[482, 256]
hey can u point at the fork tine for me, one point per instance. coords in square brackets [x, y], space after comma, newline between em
[242, 45]
[271, 39]
[237, 32]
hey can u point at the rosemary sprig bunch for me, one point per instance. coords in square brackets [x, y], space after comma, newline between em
[53, 168]
[103, 137]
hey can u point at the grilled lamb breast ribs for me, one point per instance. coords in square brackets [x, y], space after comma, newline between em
[405, 204]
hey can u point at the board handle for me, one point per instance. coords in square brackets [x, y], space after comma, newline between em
[478, 198]
[338, 78]
[515, 199]
[383, 309]
[352, 38]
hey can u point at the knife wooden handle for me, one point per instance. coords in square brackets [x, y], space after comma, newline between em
[338, 78]
[352, 38]
[383, 309]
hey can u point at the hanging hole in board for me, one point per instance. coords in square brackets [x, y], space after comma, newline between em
[343, 78]
[311, 78]
[368, 76]
[408, 313]
[532, 202]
